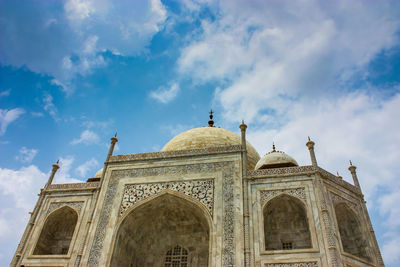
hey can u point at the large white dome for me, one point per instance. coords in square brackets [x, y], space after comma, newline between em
[207, 137]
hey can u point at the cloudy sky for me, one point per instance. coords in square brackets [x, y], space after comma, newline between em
[72, 73]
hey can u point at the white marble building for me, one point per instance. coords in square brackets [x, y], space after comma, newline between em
[207, 199]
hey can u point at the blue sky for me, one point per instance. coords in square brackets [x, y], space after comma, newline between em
[72, 73]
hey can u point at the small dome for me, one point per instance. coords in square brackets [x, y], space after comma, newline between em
[98, 173]
[275, 159]
[207, 137]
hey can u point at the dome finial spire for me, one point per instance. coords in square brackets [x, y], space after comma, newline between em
[273, 147]
[211, 122]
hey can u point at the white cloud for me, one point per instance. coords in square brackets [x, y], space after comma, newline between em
[388, 206]
[159, 15]
[89, 165]
[72, 38]
[165, 95]
[78, 9]
[391, 251]
[37, 114]
[65, 88]
[18, 193]
[63, 175]
[26, 155]
[90, 44]
[21, 185]
[87, 137]
[49, 106]
[4, 227]
[389, 209]
[5, 93]
[7, 116]
[99, 125]
[268, 52]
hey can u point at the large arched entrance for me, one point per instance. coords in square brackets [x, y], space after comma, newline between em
[166, 231]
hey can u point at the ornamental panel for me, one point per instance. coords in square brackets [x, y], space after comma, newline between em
[202, 190]
[266, 195]
[336, 199]
[228, 170]
[294, 264]
[76, 205]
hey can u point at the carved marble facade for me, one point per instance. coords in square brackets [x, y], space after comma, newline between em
[206, 192]
[202, 190]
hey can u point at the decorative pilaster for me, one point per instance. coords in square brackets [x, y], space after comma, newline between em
[246, 219]
[243, 128]
[328, 230]
[310, 144]
[95, 199]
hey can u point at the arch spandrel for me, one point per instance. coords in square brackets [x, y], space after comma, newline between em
[75, 205]
[144, 234]
[200, 190]
[195, 202]
[351, 204]
[297, 193]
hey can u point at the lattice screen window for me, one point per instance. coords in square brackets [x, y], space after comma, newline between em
[287, 245]
[176, 257]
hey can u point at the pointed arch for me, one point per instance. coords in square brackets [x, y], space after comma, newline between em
[153, 226]
[351, 234]
[181, 195]
[56, 235]
[286, 224]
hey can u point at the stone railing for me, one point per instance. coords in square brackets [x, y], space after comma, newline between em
[175, 154]
[333, 178]
[74, 186]
[301, 170]
[281, 171]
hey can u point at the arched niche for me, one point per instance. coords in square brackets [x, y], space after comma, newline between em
[351, 235]
[286, 224]
[57, 232]
[149, 231]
